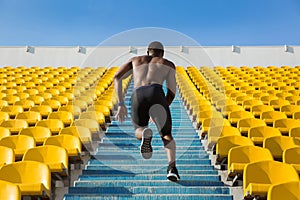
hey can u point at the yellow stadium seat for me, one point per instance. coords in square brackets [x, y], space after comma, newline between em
[7, 155]
[270, 116]
[70, 96]
[225, 143]
[10, 92]
[91, 124]
[277, 144]
[30, 184]
[3, 103]
[278, 103]
[44, 110]
[260, 176]
[4, 116]
[89, 100]
[19, 143]
[292, 156]
[62, 99]
[267, 98]
[259, 133]
[257, 110]
[11, 99]
[83, 133]
[240, 156]
[293, 99]
[288, 190]
[295, 132]
[39, 133]
[202, 115]
[214, 133]
[65, 116]
[37, 99]
[75, 110]
[289, 110]
[9, 191]
[4, 132]
[31, 117]
[235, 116]
[55, 125]
[284, 125]
[55, 157]
[82, 104]
[103, 109]
[54, 104]
[14, 125]
[230, 108]
[212, 122]
[22, 96]
[240, 99]
[12, 110]
[109, 104]
[71, 143]
[247, 104]
[224, 102]
[245, 124]
[99, 116]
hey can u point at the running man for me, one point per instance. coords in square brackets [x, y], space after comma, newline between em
[149, 102]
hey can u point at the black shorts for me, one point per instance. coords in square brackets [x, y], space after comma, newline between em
[149, 101]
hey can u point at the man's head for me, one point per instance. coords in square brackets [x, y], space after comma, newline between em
[155, 49]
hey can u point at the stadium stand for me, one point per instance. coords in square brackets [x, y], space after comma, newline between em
[64, 110]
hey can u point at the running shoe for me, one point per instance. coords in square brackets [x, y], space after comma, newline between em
[146, 147]
[173, 174]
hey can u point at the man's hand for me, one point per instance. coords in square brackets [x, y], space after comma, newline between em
[121, 113]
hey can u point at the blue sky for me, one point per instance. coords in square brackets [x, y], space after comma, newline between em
[208, 22]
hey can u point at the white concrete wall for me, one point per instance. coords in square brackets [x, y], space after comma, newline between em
[183, 56]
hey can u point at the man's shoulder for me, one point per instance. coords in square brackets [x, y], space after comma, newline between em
[169, 63]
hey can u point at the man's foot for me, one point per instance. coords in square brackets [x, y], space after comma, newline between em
[173, 174]
[146, 148]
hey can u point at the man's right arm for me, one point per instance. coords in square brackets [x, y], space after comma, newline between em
[123, 72]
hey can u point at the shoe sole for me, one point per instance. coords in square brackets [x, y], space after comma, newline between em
[146, 147]
[172, 177]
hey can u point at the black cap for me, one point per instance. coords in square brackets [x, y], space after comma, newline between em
[156, 45]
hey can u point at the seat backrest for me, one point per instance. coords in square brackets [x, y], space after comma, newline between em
[29, 115]
[225, 143]
[21, 173]
[277, 144]
[263, 131]
[37, 131]
[18, 142]
[289, 190]
[64, 140]
[286, 123]
[248, 154]
[47, 154]
[9, 191]
[51, 124]
[268, 172]
[240, 114]
[88, 123]
[291, 155]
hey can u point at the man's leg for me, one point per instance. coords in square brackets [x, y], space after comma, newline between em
[170, 148]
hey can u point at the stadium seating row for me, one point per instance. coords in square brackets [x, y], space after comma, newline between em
[237, 108]
[62, 109]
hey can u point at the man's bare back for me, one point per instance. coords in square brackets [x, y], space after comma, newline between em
[149, 70]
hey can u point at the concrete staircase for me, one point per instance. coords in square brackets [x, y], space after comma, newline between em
[118, 170]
